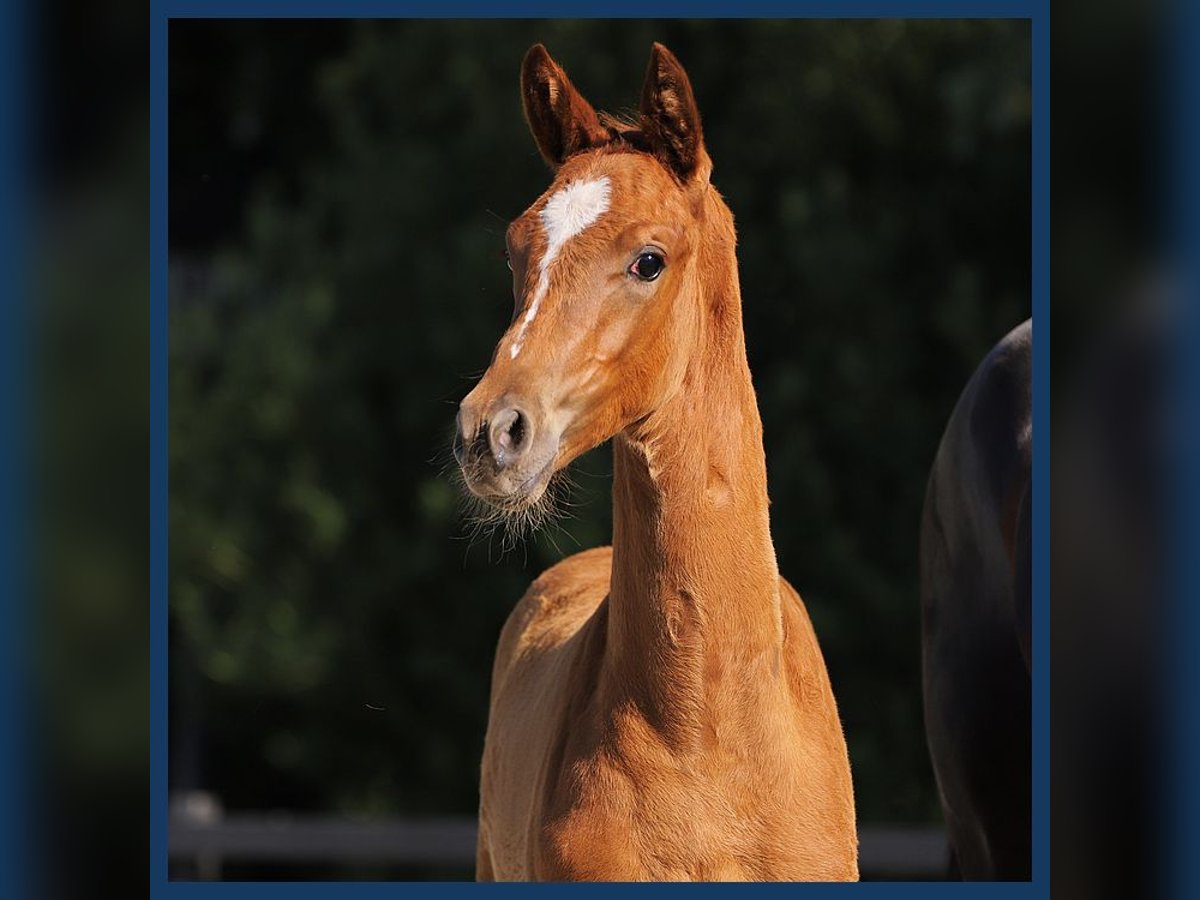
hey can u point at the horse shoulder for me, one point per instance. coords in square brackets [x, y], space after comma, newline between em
[804, 660]
[825, 778]
[553, 608]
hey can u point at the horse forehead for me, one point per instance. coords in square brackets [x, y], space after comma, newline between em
[613, 188]
[573, 207]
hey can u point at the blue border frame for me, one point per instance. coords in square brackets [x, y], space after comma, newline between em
[14, 200]
[1037, 11]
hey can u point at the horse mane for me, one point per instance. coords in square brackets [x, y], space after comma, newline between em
[625, 132]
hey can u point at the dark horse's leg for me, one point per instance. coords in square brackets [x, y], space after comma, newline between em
[952, 870]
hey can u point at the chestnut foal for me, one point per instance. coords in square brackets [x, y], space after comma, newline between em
[660, 709]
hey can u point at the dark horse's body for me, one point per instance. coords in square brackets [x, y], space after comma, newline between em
[975, 595]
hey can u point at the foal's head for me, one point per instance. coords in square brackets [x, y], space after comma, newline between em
[605, 265]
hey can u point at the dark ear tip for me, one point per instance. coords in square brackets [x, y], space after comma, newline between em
[662, 58]
[537, 55]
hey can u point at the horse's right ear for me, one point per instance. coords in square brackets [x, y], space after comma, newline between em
[562, 122]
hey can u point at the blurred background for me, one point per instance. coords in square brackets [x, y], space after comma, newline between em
[338, 195]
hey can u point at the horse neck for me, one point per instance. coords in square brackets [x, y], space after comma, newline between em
[694, 621]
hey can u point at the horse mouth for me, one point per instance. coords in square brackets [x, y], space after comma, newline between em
[508, 492]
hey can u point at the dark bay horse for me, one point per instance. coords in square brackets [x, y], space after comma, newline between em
[975, 605]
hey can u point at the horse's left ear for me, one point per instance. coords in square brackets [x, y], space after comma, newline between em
[670, 117]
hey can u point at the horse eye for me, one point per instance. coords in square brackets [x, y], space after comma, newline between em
[648, 266]
[508, 260]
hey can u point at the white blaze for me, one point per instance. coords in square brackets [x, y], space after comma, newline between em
[565, 215]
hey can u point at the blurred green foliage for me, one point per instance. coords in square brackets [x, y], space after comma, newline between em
[87, 721]
[339, 193]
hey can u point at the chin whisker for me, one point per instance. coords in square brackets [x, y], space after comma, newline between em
[515, 524]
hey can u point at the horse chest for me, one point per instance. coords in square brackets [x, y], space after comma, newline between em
[601, 845]
[654, 825]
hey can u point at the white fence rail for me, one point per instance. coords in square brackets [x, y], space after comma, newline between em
[200, 835]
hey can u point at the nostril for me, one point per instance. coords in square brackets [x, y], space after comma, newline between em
[470, 438]
[507, 435]
[516, 431]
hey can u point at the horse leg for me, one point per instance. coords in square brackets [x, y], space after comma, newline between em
[483, 860]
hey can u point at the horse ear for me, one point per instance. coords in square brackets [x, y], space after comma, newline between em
[670, 117]
[562, 122]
